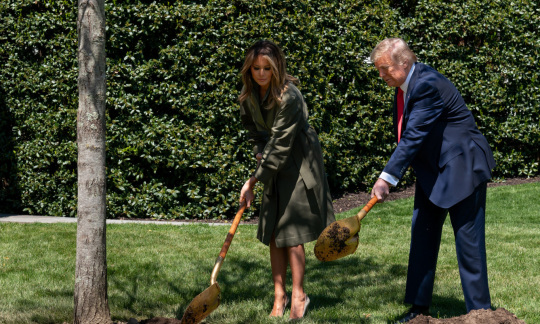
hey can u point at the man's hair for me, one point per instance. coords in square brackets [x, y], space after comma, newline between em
[399, 51]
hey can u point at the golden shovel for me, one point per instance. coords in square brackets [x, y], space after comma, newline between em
[340, 238]
[207, 301]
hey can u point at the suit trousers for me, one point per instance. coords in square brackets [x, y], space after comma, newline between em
[468, 222]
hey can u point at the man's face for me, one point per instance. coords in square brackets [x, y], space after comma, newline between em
[394, 74]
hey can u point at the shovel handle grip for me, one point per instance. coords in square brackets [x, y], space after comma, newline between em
[363, 212]
[370, 204]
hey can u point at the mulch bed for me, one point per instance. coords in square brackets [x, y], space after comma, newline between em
[346, 201]
[349, 201]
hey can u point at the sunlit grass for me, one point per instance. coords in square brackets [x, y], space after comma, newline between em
[156, 270]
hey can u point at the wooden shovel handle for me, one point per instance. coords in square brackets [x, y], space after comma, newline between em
[363, 212]
[227, 243]
[232, 230]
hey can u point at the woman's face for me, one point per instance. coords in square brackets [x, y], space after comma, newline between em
[261, 71]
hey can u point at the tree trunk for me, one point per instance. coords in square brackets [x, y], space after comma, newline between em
[91, 301]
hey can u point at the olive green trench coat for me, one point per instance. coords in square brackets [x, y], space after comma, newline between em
[296, 203]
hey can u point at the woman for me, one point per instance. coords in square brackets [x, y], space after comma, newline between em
[296, 203]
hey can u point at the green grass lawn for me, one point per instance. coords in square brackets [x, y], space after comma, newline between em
[156, 270]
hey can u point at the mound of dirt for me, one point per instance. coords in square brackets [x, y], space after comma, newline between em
[480, 316]
[155, 320]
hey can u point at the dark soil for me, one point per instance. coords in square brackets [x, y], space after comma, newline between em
[155, 320]
[481, 316]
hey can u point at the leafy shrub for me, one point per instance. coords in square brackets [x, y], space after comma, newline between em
[490, 50]
[175, 147]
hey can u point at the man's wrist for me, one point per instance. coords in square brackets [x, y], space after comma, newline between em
[390, 179]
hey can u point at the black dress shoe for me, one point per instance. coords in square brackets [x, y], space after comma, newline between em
[414, 311]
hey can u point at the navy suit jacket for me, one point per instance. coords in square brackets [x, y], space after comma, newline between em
[440, 140]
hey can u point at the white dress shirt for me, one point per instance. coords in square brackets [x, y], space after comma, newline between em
[393, 180]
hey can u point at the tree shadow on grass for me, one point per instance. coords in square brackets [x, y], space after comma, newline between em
[327, 284]
[340, 291]
[141, 288]
[26, 308]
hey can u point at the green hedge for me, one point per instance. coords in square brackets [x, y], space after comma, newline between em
[175, 145]
[491, 51]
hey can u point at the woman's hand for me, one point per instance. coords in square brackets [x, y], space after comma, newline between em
[247, 191]
[259, 158]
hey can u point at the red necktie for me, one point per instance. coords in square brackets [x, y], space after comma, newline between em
[400, 105]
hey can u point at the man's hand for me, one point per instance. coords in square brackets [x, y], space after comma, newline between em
[247, 191]
[381, 190]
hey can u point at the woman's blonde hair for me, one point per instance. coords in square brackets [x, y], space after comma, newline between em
[280, 77]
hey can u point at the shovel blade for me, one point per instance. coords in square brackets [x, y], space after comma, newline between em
[338, 239]
[202, 305]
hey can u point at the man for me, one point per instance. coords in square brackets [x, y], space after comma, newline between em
[438, 137]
